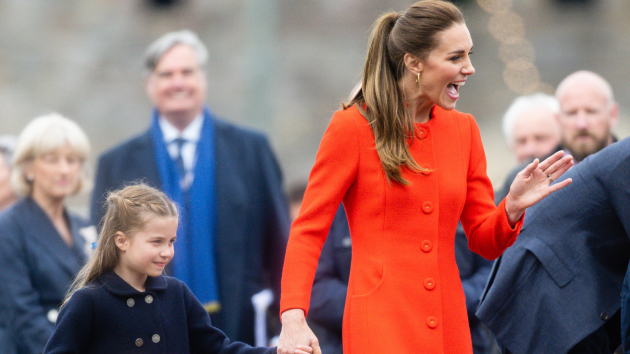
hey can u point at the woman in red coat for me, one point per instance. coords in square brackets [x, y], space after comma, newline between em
[407, 167]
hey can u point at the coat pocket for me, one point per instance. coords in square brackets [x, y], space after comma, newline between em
[560, 273]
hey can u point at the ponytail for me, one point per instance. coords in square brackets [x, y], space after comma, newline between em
[379, 99]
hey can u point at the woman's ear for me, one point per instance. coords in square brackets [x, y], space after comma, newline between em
[413, 64]
[121, 240]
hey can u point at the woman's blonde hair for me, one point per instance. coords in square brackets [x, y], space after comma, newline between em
[128, 211]
[393, 35]
[44, 135]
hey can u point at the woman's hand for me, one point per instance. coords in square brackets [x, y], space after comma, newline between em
[296, 337]
[532, 184]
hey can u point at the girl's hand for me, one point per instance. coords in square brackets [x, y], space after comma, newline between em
[532, 184]
[296, 337]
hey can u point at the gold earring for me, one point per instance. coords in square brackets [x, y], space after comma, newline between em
[418, 78]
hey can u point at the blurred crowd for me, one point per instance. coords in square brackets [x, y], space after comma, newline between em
[234, 207]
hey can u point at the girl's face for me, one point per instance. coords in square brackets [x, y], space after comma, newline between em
[148, 251]
[56, 175]
[447, 67]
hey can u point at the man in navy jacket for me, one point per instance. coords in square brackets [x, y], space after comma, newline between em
[226, 180]
[556, 290]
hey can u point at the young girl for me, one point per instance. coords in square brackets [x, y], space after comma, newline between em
[121, 303]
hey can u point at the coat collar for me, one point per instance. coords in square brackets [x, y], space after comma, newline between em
[117, 286]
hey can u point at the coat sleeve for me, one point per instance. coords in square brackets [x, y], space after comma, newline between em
[19, 296]
[487, 227]
[205, 338]
[335, 170]
[74, 325]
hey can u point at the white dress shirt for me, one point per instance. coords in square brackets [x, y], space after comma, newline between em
[191, 135]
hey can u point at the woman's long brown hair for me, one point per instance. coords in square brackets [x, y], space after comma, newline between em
[380, 100]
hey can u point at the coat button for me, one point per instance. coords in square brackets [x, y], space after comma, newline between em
[155, 338]
[422, 133]
[604, 316]
[52, 315]
[148, 299]
[427, 207]
[429, 283]
[427, 170]
[139, 342]
[131, 302]
[432, 322]
[426, 246]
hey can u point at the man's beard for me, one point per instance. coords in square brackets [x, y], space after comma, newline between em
[580, 150]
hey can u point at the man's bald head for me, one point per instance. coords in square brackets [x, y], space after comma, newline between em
[588, 112]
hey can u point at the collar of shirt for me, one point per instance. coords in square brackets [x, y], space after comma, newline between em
[191, 133]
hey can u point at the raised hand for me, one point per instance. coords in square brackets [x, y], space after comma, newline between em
[296, 337]
[534, 183]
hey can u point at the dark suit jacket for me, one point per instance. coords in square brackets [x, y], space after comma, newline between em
[252, 215]
[561, 279]
[37, 268]
[330, 287]
[111, 317]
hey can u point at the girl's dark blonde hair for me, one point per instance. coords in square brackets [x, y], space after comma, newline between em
[128, 211]
[379, 99]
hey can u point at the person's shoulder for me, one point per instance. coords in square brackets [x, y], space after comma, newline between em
[12, 216]
[137, 141]
[229, 129]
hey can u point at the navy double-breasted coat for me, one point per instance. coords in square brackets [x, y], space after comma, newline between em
[110, 316]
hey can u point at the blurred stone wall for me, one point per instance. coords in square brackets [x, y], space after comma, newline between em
[280, 66]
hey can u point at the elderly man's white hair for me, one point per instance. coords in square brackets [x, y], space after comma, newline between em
[520, 105]
[156, 50]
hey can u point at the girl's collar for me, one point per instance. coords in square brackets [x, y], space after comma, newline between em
[117, 286]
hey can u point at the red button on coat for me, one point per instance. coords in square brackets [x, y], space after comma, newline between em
[429, 283]
[432, 322]
[426, 246]
[427, 170]
[427, 207]
[422, 133]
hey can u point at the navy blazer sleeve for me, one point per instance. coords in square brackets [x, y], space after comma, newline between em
[103, 182]
[21, 298]
[276, 217]
[205, 338]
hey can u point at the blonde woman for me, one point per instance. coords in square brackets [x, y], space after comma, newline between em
[407, 168]
[43, 245]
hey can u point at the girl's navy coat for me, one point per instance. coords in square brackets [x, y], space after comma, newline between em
[109, 316]
[36, 269]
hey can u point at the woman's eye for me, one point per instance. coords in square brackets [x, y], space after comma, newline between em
[455, 58]
[470, 53]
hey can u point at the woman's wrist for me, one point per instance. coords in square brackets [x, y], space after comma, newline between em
[513, 210]
[293, 316]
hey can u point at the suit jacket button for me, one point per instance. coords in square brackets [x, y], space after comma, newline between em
[139, 342]
[432, 322]
[427, 207]
[426, 246]
[155, 338]
[131, 302]
[148, 299]
[429, 283]
[604, 316]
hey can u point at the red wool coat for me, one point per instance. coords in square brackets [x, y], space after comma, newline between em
[404, 293]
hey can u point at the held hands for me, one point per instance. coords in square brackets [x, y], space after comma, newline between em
[532, 184]
[296, 337]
